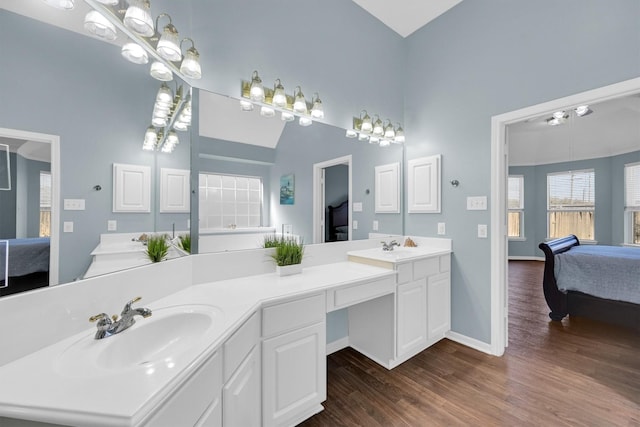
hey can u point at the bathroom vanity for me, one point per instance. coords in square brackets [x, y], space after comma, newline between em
[240, 351]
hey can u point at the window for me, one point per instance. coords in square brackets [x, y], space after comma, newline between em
[228, 201]
[571, 204]
[515, 223]
[45, 204]
[632, 202]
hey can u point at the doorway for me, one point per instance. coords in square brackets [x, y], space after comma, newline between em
[48, 207]
[332, 200]
[499, 174]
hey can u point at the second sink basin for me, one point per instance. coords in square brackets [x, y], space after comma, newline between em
[155, 341]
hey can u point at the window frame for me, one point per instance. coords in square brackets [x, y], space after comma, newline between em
[630, 210]
[233, 226]
[581, 209]
[519, 210]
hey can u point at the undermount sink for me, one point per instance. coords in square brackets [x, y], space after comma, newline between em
[159, 340]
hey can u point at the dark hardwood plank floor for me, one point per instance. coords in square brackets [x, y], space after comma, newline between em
[574, 373]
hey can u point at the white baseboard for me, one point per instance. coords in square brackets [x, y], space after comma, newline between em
[469, 342]
[337, 345]
[526, 258]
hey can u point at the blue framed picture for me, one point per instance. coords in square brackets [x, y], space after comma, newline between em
[287, 194]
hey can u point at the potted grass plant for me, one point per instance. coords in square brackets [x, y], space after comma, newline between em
[185, 242]
[288, 253]
[157, 248]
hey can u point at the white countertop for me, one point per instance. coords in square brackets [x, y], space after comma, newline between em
[34, 387]
[399, 254]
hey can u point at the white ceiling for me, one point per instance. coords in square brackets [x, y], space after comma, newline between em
[32, 150]
[613, 128]
[406, 16]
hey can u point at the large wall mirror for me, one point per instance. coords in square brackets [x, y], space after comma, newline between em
[285, 156]
[574, 171]
[77, 89]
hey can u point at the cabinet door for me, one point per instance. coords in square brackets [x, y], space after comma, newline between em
[241, 394]
[439, 306]
[412, 316]
[294, 375]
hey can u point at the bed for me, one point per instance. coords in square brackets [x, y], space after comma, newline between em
[338, 222]
[28, 266]
[593, 281]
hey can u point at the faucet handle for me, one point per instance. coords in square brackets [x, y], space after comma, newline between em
[98, 317]
[127, 306]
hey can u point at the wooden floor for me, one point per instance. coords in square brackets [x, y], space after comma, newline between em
[574, 373]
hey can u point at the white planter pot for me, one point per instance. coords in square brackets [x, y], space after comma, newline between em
[288, 270]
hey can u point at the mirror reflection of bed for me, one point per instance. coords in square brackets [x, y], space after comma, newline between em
[25, 216]
[336, 196]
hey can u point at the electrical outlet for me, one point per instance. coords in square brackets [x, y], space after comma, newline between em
[441, 228]
[354, 224]
[68, 227]
[375, 225]
[482, 231]
[112, 225]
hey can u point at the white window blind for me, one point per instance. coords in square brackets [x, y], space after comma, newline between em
[572, 190]
[515, 192]
[632, 185]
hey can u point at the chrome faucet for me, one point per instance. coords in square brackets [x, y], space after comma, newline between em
[108, 326]
[389, 246]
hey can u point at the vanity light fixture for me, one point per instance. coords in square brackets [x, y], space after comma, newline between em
[168, 46]
[135, 53]
[171, 113]
[162, 45]
[190, 65]
[99, 26]
[138, 18]
[272, 101]
[375, 131]
[160, 71]
[61, 4]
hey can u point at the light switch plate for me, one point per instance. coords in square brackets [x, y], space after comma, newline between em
[482, 231]
[477, 203]
[375, 225]
[287, 229]
[112, 225]
[357, 207]
[68, 227]
[441, 229]
[354, 224]
[73, 204]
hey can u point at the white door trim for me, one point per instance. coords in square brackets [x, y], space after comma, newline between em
[54, 140]
[499, 173]
[317, 194]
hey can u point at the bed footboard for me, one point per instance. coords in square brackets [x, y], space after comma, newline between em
[556, 300]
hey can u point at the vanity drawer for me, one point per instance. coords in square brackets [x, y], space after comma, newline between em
[240, 344]
[405, 272]
[354, 294]
[426, 267]
[292, 315]
[200, 392]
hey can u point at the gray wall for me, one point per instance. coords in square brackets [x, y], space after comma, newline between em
[484, 58]
[609, 200]
[65, 84]
[28, 196]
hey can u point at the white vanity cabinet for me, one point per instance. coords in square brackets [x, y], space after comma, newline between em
[241, 400]
[423, 304]
[293, 360]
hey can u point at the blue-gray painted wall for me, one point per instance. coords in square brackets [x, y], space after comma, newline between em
[484, 58]
[28, 196]
[8, 202]
[609, 200]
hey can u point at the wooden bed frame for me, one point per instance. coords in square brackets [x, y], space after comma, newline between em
[575, 303]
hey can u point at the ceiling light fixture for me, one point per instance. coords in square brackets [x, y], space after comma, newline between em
[272, 101]
[560, 117]
[375, 132]
[60, 4]
[162, 45]
[582, 110]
